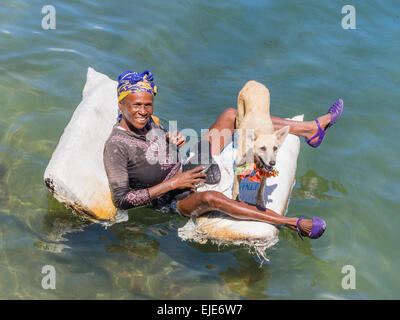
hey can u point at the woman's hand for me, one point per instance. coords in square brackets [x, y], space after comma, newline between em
[188, 179]
[182, 180]
[176, 138]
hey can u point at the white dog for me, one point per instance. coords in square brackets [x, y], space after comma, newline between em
[257, 141]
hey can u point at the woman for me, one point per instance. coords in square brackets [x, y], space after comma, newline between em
[137, 179]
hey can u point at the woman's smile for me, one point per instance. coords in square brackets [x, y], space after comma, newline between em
[137, 109]
[142, 119]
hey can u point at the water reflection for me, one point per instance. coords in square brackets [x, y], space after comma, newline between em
[3, 185]
[59, 221]
[247, 279]
[135, 260]
[133, 235]
[138, 236]
[313, 186]
[304, 247]
[126, 253]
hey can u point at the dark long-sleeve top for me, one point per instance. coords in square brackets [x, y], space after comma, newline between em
[134, 163]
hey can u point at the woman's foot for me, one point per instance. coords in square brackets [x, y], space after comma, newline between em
[319, 127]
[323, 122]
[309, 228]
[305, 226]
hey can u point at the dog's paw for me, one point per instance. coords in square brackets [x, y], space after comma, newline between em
[260, 204]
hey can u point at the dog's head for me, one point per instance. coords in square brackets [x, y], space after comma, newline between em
[266, 147]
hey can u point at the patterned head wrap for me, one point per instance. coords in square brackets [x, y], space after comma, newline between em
[131, 82]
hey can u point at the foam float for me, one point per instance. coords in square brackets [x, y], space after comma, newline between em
[75, 174]
[76, 177]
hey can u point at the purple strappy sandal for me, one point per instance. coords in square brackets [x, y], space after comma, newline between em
[336, 111]
[318, 228]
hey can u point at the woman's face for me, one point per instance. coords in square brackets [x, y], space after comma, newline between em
[137, 108]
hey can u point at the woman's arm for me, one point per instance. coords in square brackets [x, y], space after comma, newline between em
[116, 165]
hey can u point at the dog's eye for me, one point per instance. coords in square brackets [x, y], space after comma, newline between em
[275, 148]
[263, 148]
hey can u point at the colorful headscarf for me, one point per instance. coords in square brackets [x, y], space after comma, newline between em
[131, 82]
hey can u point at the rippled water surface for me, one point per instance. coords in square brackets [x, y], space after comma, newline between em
[201, 53]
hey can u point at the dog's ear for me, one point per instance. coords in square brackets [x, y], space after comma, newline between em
[247, 158]
[281, 134]
[249, 138]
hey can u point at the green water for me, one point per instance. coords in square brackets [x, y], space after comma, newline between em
[201, 53]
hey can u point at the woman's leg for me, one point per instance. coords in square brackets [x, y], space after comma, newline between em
[306, 129]
[199, 203]
[220, 133]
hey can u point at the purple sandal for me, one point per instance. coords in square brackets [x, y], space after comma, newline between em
[336, 111]
[318, 228]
